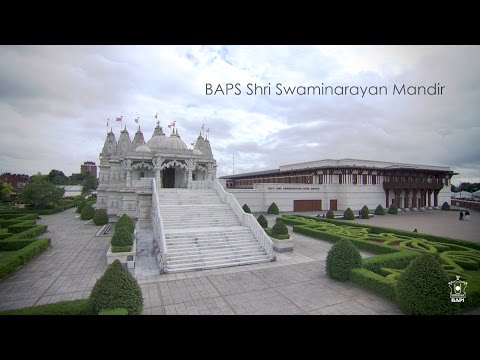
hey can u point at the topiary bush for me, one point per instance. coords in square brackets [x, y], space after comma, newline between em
[117, 288]
[365, 212]
[273, 209]
[341, 259]
[446, 206]
[262, 221]
[125, 221]
[348, 214]
[279, 229]
[330, 214]
[100, 217]
[117, 311]
[122, 237]
[393, 210]
[422, 289]
[379, 210]
[246, 209]
[87, 212]
[80, 206]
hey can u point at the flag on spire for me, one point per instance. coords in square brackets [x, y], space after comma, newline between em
[137, 119]
[119, 119]
[156, 115]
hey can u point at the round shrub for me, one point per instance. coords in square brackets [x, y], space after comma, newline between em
[393, 210]
[348, 214]
[422, 289]
[330, 214]
[117, 311]
[342, 257]
[246, 209]
[117, 288]
[446, 206]
[273, 209]
[80, 206]
[87, 212]
[379, 210]
[125, 221]
[279, 229]
[262, 221]
[122, 237]
[365, 212]
[100, 217]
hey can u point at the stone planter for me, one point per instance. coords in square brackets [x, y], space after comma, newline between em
[123, 257]
[282, 245]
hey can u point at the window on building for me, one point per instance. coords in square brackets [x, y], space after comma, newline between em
[354, 178]
[340, 179]
[193, 176]
[374, 179]
[142, 175]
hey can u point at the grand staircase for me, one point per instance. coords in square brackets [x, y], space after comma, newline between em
[202, 232]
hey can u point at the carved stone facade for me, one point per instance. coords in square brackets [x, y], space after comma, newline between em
[126, 166]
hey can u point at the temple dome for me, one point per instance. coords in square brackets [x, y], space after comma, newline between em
[156, 142]
[143, 148]
[174, 142]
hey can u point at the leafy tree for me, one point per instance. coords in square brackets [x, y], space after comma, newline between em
[246, 208]
[57, 177]
[38, 177]
[470, 187]
[90, 183]
[41, 193]
[5, 190]
[379, 210]
[365, 211]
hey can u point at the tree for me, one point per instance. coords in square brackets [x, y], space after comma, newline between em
[5, 190]
[41, 193]
[90, 183]
[38, 177]
[57, 177]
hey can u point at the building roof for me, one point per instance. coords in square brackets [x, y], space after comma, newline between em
[342, 164]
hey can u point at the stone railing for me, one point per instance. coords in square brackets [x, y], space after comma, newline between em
[159, 242]
[247, 220]
[196, 185]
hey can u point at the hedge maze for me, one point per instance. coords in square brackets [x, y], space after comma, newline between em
[17, 240]
[395, 250]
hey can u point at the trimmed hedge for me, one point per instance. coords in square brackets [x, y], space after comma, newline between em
[117, 311]
[273, 209]
[277, 236]
[117, 249]
[372, 281]
[100, 217]
[422, 289]
[246, 209]
[262, 221]
[279, 229]
[446, 206]
[117, 288]
[22, 256]
[393, 210]
[122, 237]
[74, 307]
[80, 206]
[341, 259]
[330, 214]
[14, 245]
[365, 212]
[348, 214]
[379, 210]
[87, 212]
[126, 222]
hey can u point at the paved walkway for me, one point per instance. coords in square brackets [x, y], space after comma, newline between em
[66, 271]
[295, 284]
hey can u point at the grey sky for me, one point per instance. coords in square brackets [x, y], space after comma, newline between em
[55, 101]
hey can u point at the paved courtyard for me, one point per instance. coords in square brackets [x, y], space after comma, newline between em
[295, 284]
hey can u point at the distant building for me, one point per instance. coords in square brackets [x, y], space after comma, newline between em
[89, 166]
[72, 190]
[17, 181]
[339, 184]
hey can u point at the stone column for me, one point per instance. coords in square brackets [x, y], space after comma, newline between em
[191, 164]
[435, 197]
[414, 198]
[387, 192]
[157, 163]
[129, 178]
[429, 193]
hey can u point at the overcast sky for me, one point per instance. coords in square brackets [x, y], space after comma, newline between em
[55, 102]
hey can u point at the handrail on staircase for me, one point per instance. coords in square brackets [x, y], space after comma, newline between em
[158, 230]
[247, 220]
